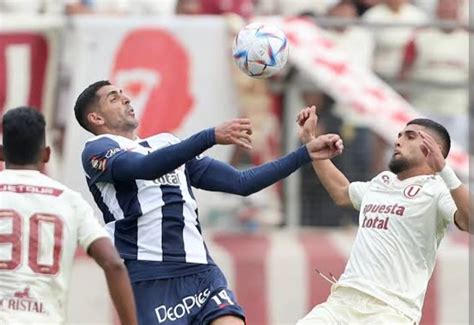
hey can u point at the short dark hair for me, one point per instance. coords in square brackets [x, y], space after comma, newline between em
[85, 100]
[438, 129]
[23, 135]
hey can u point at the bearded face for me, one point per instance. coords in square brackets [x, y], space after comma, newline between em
[399, 164]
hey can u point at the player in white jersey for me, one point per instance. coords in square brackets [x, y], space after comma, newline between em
[41, 223]
[143, 187]
[404, 214]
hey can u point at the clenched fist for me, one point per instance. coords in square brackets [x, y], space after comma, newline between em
[326, 146]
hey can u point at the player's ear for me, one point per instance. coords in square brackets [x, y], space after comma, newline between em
[46, 154]
[95, 119]
[441, 148]
[2, 156]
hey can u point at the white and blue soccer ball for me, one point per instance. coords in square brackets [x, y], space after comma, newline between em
[260, 50]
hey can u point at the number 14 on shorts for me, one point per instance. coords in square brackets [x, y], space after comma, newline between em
[192, 305]
[222, 299]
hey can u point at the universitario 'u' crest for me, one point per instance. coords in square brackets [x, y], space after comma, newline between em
[411, 191]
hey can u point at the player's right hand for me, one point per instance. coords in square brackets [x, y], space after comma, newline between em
[236, 131]
[326, 146]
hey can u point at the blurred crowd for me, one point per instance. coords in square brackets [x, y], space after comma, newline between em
[419, 47]
[412, 11]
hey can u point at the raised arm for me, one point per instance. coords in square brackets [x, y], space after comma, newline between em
[105, 254]
[105, 161]
[333, 180]
[214, 175]
[222, 177]
[129, 165]
[459, 192]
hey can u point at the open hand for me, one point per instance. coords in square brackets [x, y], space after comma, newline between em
[326, 146]
[236, 131]
[432, 151]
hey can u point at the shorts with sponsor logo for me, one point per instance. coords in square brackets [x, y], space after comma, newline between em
[350, 306]
[192, 299]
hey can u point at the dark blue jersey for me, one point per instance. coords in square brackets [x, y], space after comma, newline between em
[143, 189]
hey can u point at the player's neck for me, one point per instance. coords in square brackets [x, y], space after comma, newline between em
[396, 8]
[126, 134]
[414, 171]
[23, 167]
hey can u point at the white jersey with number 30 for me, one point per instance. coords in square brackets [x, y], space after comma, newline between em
[41, 223]
[401, 224]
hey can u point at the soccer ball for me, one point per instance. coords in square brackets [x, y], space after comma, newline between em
[260, 50]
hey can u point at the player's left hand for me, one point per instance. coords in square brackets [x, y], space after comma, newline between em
[325, 146]
[432, 152]
[307, 121]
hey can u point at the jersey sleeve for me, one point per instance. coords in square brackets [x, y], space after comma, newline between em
[215, 175]
[357, 191]
[97, 159]
[105, 161]
[89, 228]
[196, 168]
[446, 207]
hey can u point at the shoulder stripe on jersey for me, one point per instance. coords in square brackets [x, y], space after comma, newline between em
[107, 215]
[126, 230]
[173, 225]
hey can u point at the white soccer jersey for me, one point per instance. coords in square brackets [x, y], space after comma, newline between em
[41, 223]
[401, 224]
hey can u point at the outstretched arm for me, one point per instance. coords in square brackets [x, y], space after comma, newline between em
[129, 166]
[105, 161]
[222, 177]
[218, 176]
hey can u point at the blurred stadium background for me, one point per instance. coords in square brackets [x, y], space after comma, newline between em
[368, 65]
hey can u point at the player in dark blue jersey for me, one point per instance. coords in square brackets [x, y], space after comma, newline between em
[143, 188]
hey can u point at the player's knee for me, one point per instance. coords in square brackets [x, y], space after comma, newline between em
[228, 320]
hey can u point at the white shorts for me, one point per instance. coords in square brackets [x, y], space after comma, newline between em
[350, 306]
